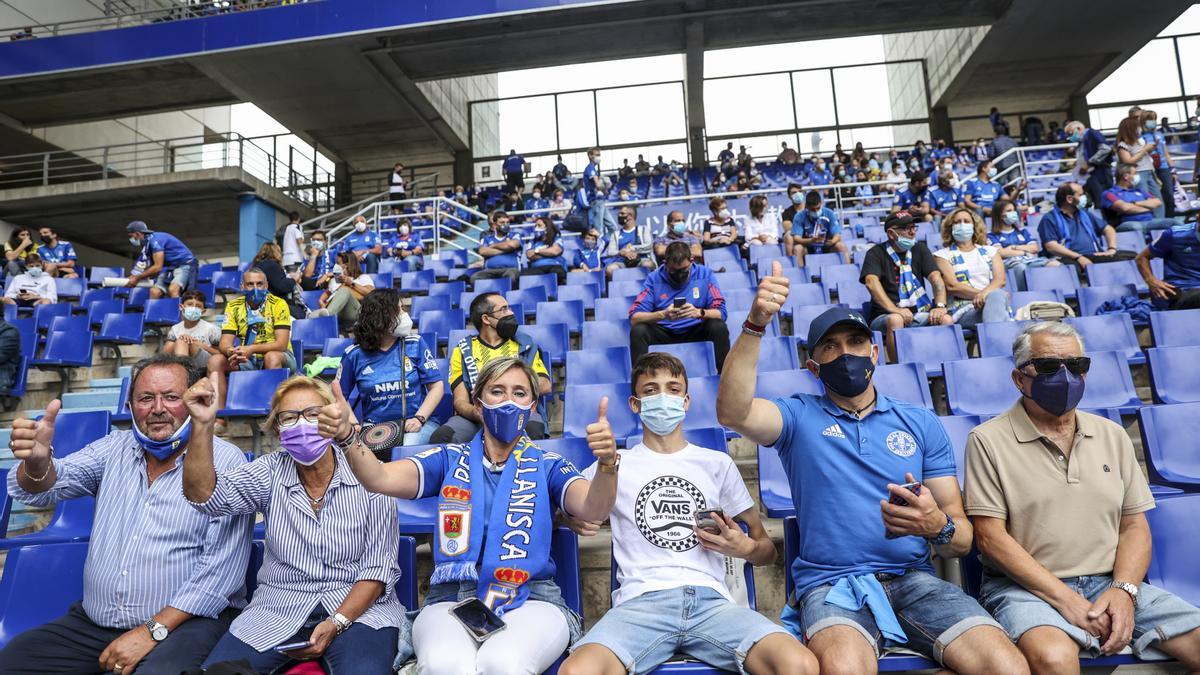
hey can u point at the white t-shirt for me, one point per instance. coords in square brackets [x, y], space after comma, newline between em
[396, 185]
[768, 225]
[978, 263]
[291, 248]
[204, 331]
[360, 282]
[658, 497]
[43, 286]
[1146, 163]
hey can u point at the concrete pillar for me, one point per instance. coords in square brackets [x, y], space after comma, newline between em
[256, 225]
[464, 167]
[939, 124]
[1077, 108]
[694, 91]
[341, 183]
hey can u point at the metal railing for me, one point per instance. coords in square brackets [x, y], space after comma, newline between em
[453, 226]
[152, 12]
[296, 173]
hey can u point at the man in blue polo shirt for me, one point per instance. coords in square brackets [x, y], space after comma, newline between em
[680, 302]
[514, 171]
[1076, 237]
[815, 229]
[592, 197]
[172, 265]
[914, 197]
[1132, 205]
[981, 192]
[500, 249]
[58, 256]
[1179, 247]
[365, 244]
[863, 578]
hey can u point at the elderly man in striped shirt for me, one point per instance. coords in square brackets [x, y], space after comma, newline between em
[162, 581]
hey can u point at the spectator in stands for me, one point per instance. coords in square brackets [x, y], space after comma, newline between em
[344, 291]
[720, 229]
[946, 196]
[875, 588]
[338, 597]
[895, 178]
[158, 604]
[981, 192]
[1133, 206]
[10, 354]
[631, 245]
[365, 244]
[677, 230]
[1133, 149]
[19, 245]
[641, 167]
[672, 596]
[762, 227]
[545, 252]
[293, 243]
[498, 337]
[396, 184]
[995, 119]
[594, 193]
[894, 272]
[864, 195]
[795, 194]
[408, 246]
[914, 197]
[500, 249]
[532, 605]
[680, 302]
[1001, 144]
[562, 174]
[279, 283]
[979, 151]
[1180, 286]
[1070, 232]
[587, 257]
[58, 255]
[514, 171]
[1018, 248]
[787, 155]
[1094, 157]
[1064, 568]
[318, 263]
[262, 325]
[536, 203]
[31, 287]
[512, 202]
[196, 339]
[815, 229]
[972, 270]
[172, 265]
[725, 158]
[623, 195]
[819, 174]
[1164, 165]
[559, 206]
[392, 369]
[945, 167]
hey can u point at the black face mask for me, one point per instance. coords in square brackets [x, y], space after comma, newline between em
[679, 277]
[47, 240]
[622, 219]
[502, 230]
[506, 327]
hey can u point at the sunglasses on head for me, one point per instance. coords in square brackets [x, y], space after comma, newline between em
[1077, 365]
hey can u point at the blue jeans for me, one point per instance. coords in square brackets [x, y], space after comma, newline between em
[995, 308]
[361, 650]
[1144, 227]
[932, 612]
[1149, 185]
[650, 629]
[421, 436]
[370, 263]
[1168, 190]
[1160, 615]
[602, 219]
[1022, 263]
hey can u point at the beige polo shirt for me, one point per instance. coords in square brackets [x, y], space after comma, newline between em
[1065, 511]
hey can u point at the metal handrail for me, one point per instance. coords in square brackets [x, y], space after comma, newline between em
[441, 208]
[196, 10]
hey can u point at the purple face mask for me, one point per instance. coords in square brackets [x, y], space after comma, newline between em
[303, 443]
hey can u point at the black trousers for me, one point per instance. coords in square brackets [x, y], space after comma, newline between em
[715, 331]
[1101, 259]
[1186, 299]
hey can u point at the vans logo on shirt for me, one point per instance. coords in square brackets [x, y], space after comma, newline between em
[1106, 469]
[665, 512]
[833, 431]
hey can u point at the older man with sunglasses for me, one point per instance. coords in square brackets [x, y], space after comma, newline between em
[1058, 502]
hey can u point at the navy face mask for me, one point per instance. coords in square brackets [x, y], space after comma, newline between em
[1057, 393]
[848, 375]
[255, 297]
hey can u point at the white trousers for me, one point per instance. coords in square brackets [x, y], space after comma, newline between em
[537, 634]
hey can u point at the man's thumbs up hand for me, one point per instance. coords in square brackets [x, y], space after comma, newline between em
[772, 294]
[31, 439]
[337, 419]
[600, 436]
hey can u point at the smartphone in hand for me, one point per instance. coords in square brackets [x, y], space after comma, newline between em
[914, 488]
[706, 522]
[291, 647]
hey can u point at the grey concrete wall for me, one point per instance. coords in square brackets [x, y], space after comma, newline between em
[944, 51]
[452, 99]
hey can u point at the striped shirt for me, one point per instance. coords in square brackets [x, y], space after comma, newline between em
[148, 548]
[310, 561]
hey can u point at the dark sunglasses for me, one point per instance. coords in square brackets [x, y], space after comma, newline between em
[1077, 365]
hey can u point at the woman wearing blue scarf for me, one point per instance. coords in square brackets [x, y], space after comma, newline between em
[497, 497]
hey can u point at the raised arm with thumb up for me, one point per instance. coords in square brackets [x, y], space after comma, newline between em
[772, 294]
[600, 436]
[337, 419]
[31, 443]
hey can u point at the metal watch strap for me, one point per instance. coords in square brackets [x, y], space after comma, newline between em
[154, 626]
[946, 535]
[1130, 589]
[341, 622]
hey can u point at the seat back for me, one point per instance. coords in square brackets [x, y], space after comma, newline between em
[227, 281]
[498, 285]
[575, 450]
[613, 309]
[712, 438]
[904, 381]
[452, 289]
[582, 404]
[44, 315]
[39, 584]
[584, 293]
[564, 551]
[701, 388]
[75, 429]
[122, 328]
[1175, 548]
[527, 298]
[802, 316]
[1109, 384]
[552, 338]
[136, 300]
[411, 282]
[27, 329]
[1111, 332]
[607, 365]
[569, 312]
[996, 339]
[931, 346]
[549, 282]
[605, 333]
[249, 393]
[957, 428]
[778, 353]
[406, 585]
[162, 312]
[852, 294]
[1018, 299]
[97, 275]
[630, 289]
[68, 289]
[1176, 328]
[1063, 278]
[832, 275]
[816, 261]
[1168, 442]
[700, 357]
[70, 348]
[1117, 273]
[99, 308]
[312, 333]
[441, 322]
[1092, 297]
[336, 346]
[981, 386]
[800, 295]
[1173, 373]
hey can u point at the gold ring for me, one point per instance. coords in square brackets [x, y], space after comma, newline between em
[118, 668]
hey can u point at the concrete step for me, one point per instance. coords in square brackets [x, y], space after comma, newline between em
[106, 383]
[91, 399]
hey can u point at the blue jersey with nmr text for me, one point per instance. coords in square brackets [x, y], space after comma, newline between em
[1179, 247]
[175, 253]
[388, 388]
[360, 241]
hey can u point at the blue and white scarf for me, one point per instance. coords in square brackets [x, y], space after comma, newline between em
[519, 545]
[912, 292]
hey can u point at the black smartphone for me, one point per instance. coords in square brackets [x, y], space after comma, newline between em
[479, 619]
[914, 488]
[678, 303]
[707, 523]
[291, 647]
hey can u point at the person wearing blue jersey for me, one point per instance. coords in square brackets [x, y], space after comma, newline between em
[318, 263]
[365, 244]
[680, 302]
[58, 256]
[545, 253]
[392, 369]
[1076, 237]
[1132, 205]
[1179, 248]
[945, 197]
[592, 197]
[1164, 164]
[914, 197]
[875, 487]
[514, 170]
[1018, 247]
[981, 192]
[500, 249]
[537, 204]
[815, 229]
[587, 257]
[172, 266]
[406, 245]
[726, 157]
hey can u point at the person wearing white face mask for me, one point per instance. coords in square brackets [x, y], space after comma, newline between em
[670, 550]
[1133, 148]
[365, 244]
[973, 271]
[721, 229]
[31, 287]
[1018, 247]
[392, 369]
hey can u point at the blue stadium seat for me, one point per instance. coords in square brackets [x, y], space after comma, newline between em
[162, 312]
[804, 295]
[1018, 299]
[701, 416]
[637, 274]
[1177, 328]
[981, 386]
[381, 280]
[816, 261]
[796, 275]
[546, 281]
[801, 318]
[957, 427]
[227, 281]
[97, 275]
[778, 353]
[210, 294]
[26, 328]
[336, 346]
[904, 381]
[406, 585]
[5, 506]
[575, 450]
[44, 315]
[121, 329]
[613, 309]
[564, 551]
[582, 403]
[40, 583]
[569, 312]
[518, 311]
[832, 275]
[441, 322]
[1092, 297]
[97, 310]
[588, 294]
[781, 384]
[137, 297]
[765, 251]
[1063, 278]
[1175, 547]
[996, 339]
[583, 278]
[852, 294]
[69, 289]
[712, 438]
[444, 269]
[739, 299]
[66, 350]
[735, 318]
[774, 489]
[249, 395]
[1116, 274]
[699, 357]
[312, 333]
[459, 256]
[498, 285]
[205, 272]
[1112, 332]
[728, 281]
[528, 298]
[453, 289]
[1174, 377]
[617, 289]
[931, 346]
[95, 295]
[1168, 443]
[608, 365]
[600, 333]
[552, 338]
[312, 299]
[1109, 384]
[417, 516]
[727, 257]
[424, 303]
[1128, 241]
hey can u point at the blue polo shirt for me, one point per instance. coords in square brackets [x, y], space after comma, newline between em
[410, 243]
[1179, 247]
[822, 177]
[589, 181]
[905, 197]
[1082, 234]
[839, 468]
[514, 164]
[388, 389]
[805, 223]
[175, 253]
[360, 241]
[1117, 193]
[60, 253]
[504, 260]
[983, 194]
[700, 290]
[557, 261]
[944, 201]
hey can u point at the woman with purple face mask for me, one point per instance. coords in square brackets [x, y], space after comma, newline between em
[327, 583]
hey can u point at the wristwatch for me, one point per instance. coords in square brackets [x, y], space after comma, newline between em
[940, 305]
[609, 468]
[946, 535]
[1129, 588]
[341, 622]
[158, 631]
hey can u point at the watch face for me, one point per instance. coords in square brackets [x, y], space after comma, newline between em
[159, 633]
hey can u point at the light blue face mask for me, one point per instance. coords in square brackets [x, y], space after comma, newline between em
[1135, 181]
[1151, 125]
[991, 172]
[962, 232]
[1011, 218]
[192, 313]
[906, 243]
[662, 413]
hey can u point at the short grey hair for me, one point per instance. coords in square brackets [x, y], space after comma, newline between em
[493, 369]
[1023, 345]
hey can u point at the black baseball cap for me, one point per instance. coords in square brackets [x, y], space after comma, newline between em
[898, 219]
[832, 318]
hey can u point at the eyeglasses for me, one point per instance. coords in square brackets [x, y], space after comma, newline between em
[1076, 365]
[289, 418]
[505, 308]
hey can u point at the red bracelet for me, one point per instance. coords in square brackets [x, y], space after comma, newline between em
[753, 329]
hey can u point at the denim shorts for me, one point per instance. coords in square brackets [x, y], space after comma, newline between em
[1160, 615]
[932, 612]
[700, 622]
[180, 276]
[879, 323]
[289, 362]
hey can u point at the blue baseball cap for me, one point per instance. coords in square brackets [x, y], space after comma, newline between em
[832, 318]
[137, 226]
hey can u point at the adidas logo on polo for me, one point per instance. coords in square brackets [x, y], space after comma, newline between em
[833, 431]
[368, 370]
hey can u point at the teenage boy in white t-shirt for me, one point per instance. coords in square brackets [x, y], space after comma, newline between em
[672, 596]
